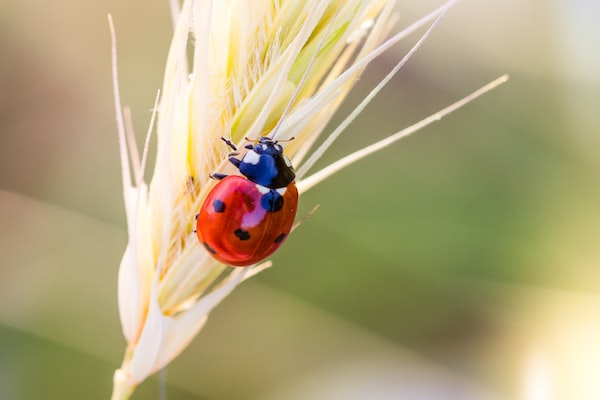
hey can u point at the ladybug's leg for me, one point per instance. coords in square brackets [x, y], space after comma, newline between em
[218, 176]
[235, 161]
[232, 159]
[232, 147]
[196, 218]
[229, 143]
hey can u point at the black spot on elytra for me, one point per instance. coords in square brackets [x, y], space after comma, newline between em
[210, 249]
[272, 201]
[242, 234]
[218, 206]
[280, 238]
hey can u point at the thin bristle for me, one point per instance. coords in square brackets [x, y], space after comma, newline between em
[307, 183]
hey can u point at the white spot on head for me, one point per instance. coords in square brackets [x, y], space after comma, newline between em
[263, 189]
[251, 157]
[278, 147]
[264, 147]
[281, 191]
[288, 162]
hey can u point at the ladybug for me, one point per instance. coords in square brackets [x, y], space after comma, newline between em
[244, 219]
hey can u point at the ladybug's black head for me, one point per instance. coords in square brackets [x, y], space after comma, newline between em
[266, 164]
[266, 145]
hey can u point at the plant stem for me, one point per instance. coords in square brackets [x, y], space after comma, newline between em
[122, 387]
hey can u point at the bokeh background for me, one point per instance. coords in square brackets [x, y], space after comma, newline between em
[461, 263]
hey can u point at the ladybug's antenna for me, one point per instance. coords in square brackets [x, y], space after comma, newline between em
[285, 140]
[319, 47]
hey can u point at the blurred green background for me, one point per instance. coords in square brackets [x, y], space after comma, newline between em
[461, 263]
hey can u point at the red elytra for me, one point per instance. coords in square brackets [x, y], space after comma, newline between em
[241, 222]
